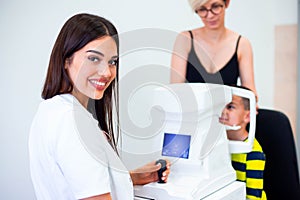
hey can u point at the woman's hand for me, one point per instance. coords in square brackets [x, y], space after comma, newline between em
[148, 173]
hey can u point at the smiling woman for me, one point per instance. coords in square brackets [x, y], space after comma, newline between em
[93, 68]
[80, 33]
[70, 157]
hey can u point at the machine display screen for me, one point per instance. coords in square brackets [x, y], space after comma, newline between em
[176, 145]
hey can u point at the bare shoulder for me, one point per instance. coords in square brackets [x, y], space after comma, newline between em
[245, 43]
[184, 35]
[245, 49]
[183, 41]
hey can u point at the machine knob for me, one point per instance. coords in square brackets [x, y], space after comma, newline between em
[161, 170]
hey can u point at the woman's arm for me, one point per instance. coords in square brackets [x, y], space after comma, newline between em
[245, 57]
[148, 173]
[100, 197]
[181, 49]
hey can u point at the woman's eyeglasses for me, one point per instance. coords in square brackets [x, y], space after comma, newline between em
[215, 9]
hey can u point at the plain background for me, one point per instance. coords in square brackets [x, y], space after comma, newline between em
[29, 29]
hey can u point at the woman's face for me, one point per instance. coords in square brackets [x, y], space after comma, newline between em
[93, 68]
[212, 13]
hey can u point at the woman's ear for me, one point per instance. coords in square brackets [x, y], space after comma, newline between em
[227, 3]
[67, 63]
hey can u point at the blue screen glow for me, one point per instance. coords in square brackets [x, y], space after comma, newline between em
[176, 145]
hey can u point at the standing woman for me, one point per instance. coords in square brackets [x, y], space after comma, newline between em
[70, 157]
[212, 53]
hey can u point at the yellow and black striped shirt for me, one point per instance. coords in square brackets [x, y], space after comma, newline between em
[249, 168]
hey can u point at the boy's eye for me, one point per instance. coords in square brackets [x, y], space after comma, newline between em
[230, 106]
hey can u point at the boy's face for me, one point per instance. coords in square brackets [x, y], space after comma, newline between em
[234, 113]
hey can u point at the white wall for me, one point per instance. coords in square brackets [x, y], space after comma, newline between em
[29, 28]
[257, 20]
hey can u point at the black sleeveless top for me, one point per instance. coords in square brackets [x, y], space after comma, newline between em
[196, 73]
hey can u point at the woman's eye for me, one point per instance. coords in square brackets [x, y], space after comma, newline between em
[113, 62]
[215, 6]
[202, 10]
[93, 58]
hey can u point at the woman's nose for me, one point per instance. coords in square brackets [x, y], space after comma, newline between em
[104, 70]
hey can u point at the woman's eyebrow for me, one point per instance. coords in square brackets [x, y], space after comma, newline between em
[96, 52]
[99, 53]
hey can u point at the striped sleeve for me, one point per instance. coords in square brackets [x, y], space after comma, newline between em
[255, 165]
[249, 168]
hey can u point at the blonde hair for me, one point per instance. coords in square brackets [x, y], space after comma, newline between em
[197, 3]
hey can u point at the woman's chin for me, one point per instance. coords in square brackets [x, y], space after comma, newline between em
[97, 95]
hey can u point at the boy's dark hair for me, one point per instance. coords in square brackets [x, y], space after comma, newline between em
[246, 101]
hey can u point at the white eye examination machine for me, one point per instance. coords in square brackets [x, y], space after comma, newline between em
[187, 132]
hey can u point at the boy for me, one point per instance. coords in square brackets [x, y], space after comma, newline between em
[250, 166]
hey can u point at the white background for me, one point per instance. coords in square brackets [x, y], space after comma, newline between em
[29, 28]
